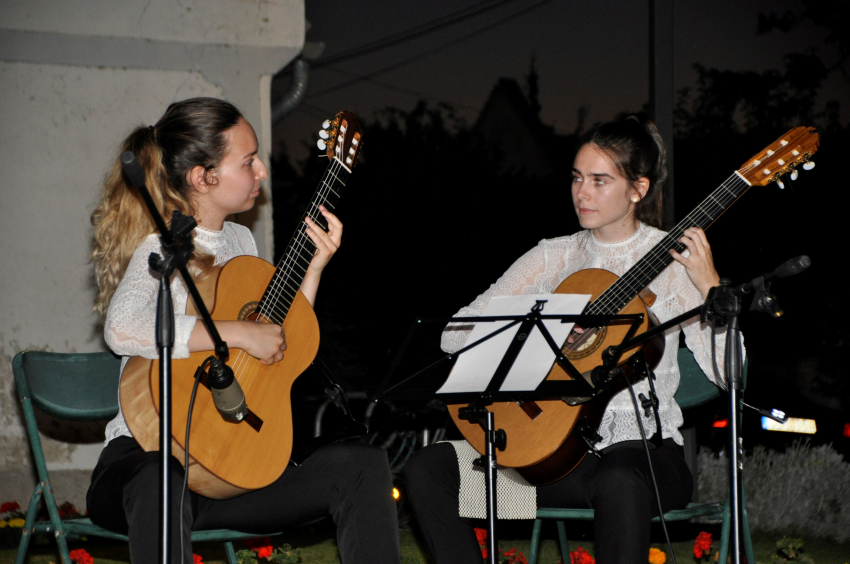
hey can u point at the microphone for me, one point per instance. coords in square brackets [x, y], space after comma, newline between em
[763, 300]
[132, 169]
[227, 394]
[788, 268]
[791, 267]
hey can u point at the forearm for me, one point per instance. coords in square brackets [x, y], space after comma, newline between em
[310, 286]
[201, 340]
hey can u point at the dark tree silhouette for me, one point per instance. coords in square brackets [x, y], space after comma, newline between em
[720, 123]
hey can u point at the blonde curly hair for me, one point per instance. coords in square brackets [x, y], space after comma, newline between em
[191, 133]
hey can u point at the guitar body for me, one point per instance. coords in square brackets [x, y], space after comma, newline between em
[227, 459]
[546, 448]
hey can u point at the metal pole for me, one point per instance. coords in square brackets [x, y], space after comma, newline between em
[490, 487]
[165, 340]
[661, 89]
[734, 377]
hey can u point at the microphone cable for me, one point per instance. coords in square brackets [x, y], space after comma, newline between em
[198, 373]
[649, 462]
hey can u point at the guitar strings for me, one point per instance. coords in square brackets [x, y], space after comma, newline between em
[301, 241]
[290, 271]
[617, 296]
[659, 257]
[280, 280]
[283, 274]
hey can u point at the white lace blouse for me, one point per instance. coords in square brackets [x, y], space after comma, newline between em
[130, 324]
[544, 267]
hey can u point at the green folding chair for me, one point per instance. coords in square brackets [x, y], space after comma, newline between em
[694, 389]
[75, 387]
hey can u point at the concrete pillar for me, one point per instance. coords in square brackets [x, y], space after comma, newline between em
[75, 77]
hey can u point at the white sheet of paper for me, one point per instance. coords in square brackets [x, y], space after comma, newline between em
[475, 368]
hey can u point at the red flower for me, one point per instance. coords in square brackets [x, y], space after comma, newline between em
[481, 535]
[9, 506]
[80, 556]
[197, 559]
[581, 556]
[67, 509]
[257, 543]
[515, 557]
[262, 546]
[702, 544]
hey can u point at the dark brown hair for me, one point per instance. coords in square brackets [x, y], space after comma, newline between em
[636, 150]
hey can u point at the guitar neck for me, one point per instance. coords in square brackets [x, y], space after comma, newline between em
[638, 277]
[292, 267]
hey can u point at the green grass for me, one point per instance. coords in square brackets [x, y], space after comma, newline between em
[319, 546]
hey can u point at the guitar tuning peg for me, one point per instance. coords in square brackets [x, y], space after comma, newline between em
[321, 144]
[326, 124]
[808, 165]
[780, 184]
[323, 134]
[794, 174]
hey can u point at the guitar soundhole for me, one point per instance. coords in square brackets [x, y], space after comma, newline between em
[585, 344]
[247, 311]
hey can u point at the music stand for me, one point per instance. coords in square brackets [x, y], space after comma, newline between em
[476, 411]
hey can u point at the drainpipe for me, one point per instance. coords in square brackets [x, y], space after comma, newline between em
[289, 101]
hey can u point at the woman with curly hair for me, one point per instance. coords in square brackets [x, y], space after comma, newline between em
[202, 159]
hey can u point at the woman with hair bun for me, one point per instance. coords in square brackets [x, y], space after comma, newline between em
[201, 158]
[617, 187]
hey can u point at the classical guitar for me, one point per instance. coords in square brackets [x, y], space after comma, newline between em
[544, 438]
[228, 459]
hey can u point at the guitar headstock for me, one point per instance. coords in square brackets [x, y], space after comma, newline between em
[342, 138]
[781, 157]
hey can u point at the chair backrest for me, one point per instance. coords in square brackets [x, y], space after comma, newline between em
[72, 386]
[694, 387]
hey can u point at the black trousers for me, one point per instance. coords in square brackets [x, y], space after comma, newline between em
[618, 487]
[350, 482]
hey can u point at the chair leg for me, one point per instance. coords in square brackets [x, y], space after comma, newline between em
[535, 541]
[562, 540]
[748, 541]
[26, 532]
[727, 533]
[58, 528]
[231, 554]
[724, 534]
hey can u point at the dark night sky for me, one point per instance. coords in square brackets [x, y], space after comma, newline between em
[588, 53]
[592, 54]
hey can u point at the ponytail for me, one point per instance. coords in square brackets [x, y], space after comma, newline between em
[191, 133]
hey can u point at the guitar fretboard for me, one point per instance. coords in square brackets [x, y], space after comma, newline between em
[638, 277]
[292, 267]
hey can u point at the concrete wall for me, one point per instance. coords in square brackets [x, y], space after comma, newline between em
[75, 77]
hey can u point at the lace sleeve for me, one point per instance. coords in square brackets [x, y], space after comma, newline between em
[528, 275]
[130, 327]
[697, 336]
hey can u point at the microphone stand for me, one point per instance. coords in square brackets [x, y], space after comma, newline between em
[723, 305]
[177, 247]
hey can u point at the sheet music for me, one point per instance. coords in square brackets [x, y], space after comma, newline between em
[475, 368]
